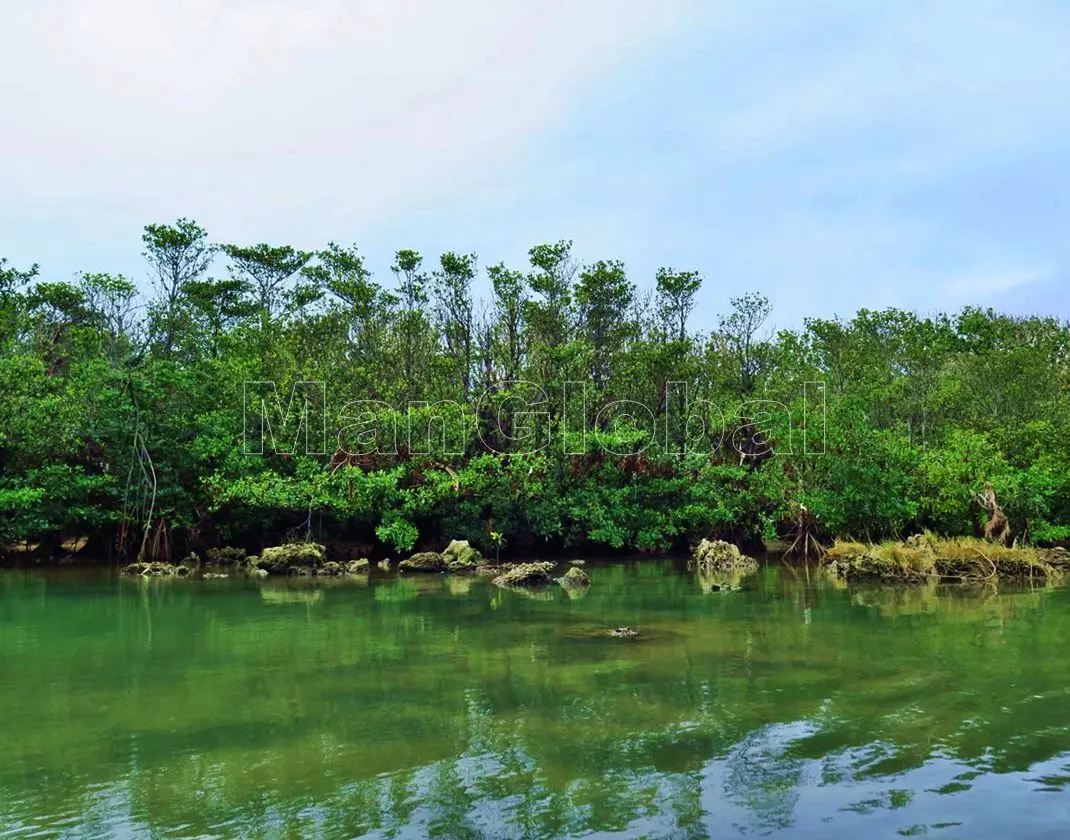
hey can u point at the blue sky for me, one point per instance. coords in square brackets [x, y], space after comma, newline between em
[833, 155]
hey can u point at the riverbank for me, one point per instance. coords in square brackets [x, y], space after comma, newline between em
[720, 565]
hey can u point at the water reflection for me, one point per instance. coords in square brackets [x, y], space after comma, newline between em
[446, 707]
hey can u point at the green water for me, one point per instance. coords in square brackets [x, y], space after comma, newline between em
[443, 707]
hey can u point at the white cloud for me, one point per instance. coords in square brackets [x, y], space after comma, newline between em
[250, 111]
[982, 285]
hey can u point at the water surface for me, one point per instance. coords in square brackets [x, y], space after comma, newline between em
[431, 706]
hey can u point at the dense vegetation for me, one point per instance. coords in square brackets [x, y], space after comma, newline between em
[124, 418]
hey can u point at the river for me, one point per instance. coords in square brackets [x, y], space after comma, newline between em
[436, 706]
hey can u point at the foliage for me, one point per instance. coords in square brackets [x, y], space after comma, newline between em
[574, 407]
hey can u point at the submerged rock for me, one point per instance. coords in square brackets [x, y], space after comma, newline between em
[459, 556]
[284, 558]
[718, 555]
[424, 561]
[575, 578]
[710, 582]
[525, 574]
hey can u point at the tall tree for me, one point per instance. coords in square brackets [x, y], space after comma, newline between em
[178, 255]
[739, 331]
[452, 288]
[509, 299]
[676, 292]
[603, 297]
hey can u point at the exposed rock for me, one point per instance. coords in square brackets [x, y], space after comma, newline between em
[215, 576]
[717, 555]
[574, 578]
[384, 565]
[578, 562]
[461, 557]
[260, 573]
[623, 633]
[425, 561]
[293, 555]
[156, 570]
[335, 569]
[1058, 558]
[525, 574]
[225, 556]
[299, 571]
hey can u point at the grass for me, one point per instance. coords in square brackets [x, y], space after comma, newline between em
[926, 557]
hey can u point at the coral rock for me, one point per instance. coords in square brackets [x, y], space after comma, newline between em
[574, 577]
[425, 561]
[717, 555]
[525, 574]
[461, 557]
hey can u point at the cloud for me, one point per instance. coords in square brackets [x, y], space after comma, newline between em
[982, 286]
[252, 111]
[832, 155]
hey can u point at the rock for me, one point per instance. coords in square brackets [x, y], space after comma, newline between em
[156, 570]
[461, 557]
[299, 571]
[284, 557]
[384, 565]
[225, 556]
[1057, 557]
[525, 574]
[578, 562]
[717, 555]
[215, 576]
[623, 633]
[424, 561]
[330, 569]
[358, 566]
[260, 573]
[574, 578]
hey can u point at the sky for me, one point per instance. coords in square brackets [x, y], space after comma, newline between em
[830, 154]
